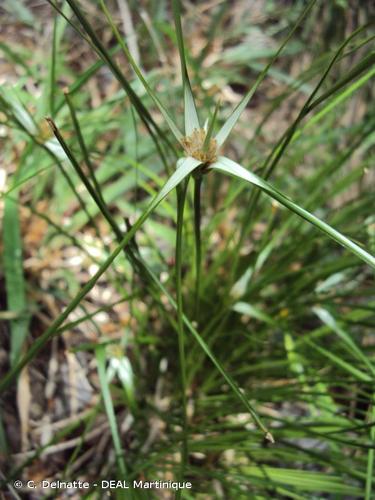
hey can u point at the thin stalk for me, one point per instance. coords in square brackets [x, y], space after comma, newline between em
[370, 455]
[181, 198]
[88, 316]
[93, 40]
[139, 73]
[98, 200]
[278, 151]
[108, 404]
[76, 194]
[198, 244]
[57, 161]
[53, 69]
[38, 344]
[82, 145]
[77, 167]
[179, 175]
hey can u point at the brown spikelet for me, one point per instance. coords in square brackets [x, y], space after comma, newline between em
[193, 146]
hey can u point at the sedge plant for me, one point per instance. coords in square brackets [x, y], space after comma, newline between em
[200, 147]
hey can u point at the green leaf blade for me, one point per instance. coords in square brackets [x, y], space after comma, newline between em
[232, 168]
[239, 109]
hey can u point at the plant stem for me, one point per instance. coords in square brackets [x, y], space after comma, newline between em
[93, 40]
[181, 197]
[53, 70]
[370, 456]
[108, 404]
[279, 149]
[198, 244]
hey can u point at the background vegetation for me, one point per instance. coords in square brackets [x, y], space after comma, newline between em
[265, 320]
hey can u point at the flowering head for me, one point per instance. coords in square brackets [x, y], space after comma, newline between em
[200, 147]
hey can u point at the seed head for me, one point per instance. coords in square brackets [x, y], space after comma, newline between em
[194, 146]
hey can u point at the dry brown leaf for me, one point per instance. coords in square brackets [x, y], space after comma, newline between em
[23, 405]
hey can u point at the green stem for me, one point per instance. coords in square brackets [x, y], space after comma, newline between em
[279, 149]
[56, 160]
[108, 404]
[82, 145]
[370, 456]
[38, 344]
[179, 175]
[198, 244]
[53, 69]
[181, 197]
[77, 167]
[93, 40]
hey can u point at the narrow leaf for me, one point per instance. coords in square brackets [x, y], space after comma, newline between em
[173, 127]
[348, 367]
[101, 360]
[234, 117]
[181, 173]
[191, 115]
[232, 168]
[331, 322]
[14, 277]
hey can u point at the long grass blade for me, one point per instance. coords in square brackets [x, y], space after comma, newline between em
[181, 173]
[82, 145]
[352, 347]
[106, 55]
[234, 117]
[181, 198]
[191, 115]
[173, 127]
[14, 278]
[234, 169]
[107, 399]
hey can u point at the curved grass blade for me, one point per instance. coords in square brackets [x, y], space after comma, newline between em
[181, 173]
[14, 277]
[333, 103]
[83, 146]
[352, 347]
[191, 115]
[234, 117]
[344, 365]
[280, 147]
[93, 40]
[234, 169]
[181, 199]
[107, 399]
[173, 127]
[366, 63]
